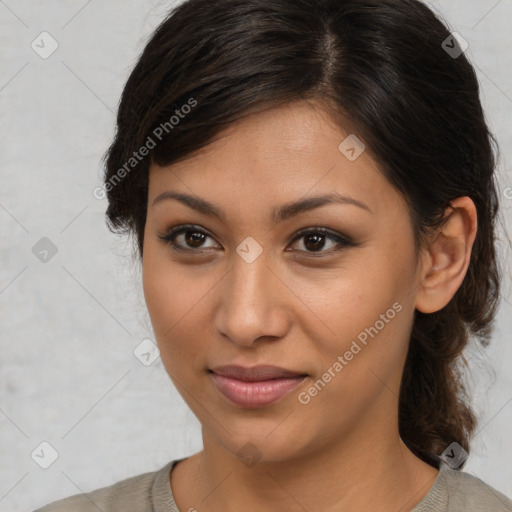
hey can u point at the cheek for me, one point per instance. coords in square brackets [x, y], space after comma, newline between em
[365, 314]
[363, 363]
[159, 293]
[165, 290]
[175, 299]
[165, 298]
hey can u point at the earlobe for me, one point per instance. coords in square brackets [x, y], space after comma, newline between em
[448, 257]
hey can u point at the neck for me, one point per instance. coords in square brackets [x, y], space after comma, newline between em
[345, 475]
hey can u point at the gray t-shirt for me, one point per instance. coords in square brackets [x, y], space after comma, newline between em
[453, 491]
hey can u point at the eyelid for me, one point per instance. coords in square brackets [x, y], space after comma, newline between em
[324, 231]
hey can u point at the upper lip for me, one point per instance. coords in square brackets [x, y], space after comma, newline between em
[255, 373]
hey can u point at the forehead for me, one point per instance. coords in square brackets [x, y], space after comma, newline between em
[274, 156]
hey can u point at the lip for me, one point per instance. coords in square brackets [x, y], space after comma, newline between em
[257, 386]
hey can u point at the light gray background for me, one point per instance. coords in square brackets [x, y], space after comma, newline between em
[69, 326]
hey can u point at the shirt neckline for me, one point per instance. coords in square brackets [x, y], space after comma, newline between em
[163, 498]
[435, 499]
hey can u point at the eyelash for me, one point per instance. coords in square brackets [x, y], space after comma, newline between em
[342, 242]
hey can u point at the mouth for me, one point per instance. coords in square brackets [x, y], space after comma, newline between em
[255, 387]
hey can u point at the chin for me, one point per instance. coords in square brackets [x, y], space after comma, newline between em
[254, 441]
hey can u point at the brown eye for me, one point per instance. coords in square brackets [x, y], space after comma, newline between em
[315, 239]
[314, 242]
[194, 238]
[190, 238]
[186, 238]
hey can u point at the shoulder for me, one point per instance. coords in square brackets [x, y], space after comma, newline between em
[131, 494]
[455, 491]
[469, 493]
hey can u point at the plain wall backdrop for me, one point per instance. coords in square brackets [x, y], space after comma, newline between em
[72, 308]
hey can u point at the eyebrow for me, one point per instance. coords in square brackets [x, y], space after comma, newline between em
[277, 215]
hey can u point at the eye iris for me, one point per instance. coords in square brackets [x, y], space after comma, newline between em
[194, 238]
[318, 241]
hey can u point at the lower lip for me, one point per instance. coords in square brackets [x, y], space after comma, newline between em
[255, 394]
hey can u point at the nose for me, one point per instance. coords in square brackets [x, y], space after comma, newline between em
[253, 303]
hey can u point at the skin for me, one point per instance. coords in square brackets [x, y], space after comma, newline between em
[342, 450]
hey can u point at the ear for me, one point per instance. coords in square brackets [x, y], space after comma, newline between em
[447, 257]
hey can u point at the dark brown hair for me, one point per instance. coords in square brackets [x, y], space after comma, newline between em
[380, 67]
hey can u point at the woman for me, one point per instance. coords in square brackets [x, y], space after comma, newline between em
[311, 187]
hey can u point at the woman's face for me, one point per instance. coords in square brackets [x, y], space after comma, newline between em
[252, 291]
